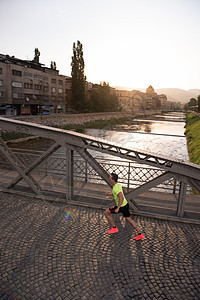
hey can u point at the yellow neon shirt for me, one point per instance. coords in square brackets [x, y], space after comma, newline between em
[116, 190]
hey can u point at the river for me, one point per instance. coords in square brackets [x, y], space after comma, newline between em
[161, 135]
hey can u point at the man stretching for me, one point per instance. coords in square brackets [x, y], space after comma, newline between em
[122, 206]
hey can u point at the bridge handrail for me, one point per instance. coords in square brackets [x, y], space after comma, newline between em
[63, 137]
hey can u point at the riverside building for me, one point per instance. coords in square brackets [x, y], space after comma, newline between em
[138, 102]
[28, 87]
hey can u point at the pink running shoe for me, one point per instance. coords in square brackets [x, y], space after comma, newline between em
[139, 237]
[113, 230]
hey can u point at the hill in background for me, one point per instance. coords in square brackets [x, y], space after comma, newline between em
[195, 91]
[178, 95]
[173, 94]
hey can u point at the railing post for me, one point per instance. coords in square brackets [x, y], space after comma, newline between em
[181, 199]
[86, 168]
[46, 167]
[174, 187]
[69, 173]
[129, 169]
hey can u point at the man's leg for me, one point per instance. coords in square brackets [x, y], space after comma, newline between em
[133, 224]
[140, 235]
[109, 217]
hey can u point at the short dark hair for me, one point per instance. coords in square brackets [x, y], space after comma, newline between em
[114, 177]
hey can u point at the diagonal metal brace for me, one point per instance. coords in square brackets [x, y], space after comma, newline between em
[195, 184]
[40, 159]
[145, 187]
[19, 166]
[94, 164]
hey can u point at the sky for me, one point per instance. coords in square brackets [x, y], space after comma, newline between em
[130, 43]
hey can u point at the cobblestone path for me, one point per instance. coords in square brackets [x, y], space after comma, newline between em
[42, 256]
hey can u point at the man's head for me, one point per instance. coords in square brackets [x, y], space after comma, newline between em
[114, 177]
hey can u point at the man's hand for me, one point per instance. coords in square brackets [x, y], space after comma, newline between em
[108, 194]
[117, 210]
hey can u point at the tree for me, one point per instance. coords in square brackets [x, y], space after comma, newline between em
[185, 107]
[198, 104]
[37, 55]
[78, 78]
[102, 99]
[192, 102]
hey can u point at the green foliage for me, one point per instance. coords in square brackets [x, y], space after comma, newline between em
[192, 102]
[102, 99]
[185, 107]
[100, 124]
[193, 137]
[11, 135]
[79, 129]
[191, 118]
[78, 79]
[198, 103]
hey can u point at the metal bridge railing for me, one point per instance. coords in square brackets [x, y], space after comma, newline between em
[90, 159]
[131, 174]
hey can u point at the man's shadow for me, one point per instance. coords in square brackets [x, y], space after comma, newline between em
[126, 255]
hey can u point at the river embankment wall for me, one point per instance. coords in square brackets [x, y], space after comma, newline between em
[61, 120]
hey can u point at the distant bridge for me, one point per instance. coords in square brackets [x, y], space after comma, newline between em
[157, 171]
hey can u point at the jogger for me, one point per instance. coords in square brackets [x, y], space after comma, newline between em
[122, 206]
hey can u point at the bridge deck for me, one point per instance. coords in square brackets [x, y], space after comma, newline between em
[45, 257]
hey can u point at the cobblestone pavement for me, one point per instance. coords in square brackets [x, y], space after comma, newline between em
[45, 257]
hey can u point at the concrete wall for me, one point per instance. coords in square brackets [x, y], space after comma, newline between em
[61, 120]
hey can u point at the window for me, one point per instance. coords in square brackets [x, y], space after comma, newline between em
[45, 78]
[17, 95]
[53, 80]
[60, 82]
[60, 91]
[1, 71]
[1, 94]
[28, 75]
[16, 73]
[38, 87]
[68, 86]
[53, 89]
[45, 88]
[38, 76]
[28, 85]
[1, 82]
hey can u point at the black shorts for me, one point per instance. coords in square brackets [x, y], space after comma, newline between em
[124, 210]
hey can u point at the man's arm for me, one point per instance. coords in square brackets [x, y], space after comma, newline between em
[109, 194]
[120, 201]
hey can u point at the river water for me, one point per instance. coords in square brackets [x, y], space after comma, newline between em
[161, 135]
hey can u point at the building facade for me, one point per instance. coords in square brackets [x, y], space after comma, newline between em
[136, 101]
[28, 87]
